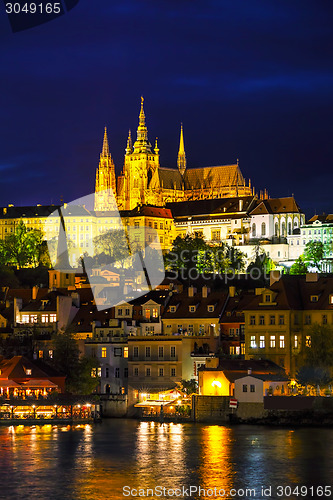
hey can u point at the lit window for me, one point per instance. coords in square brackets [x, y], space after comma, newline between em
[308, 340]
[155, 313]
[125, 352]
[253, 342]
[40, 354]
[33, 318]
[295, 341]
[103, 352]
[25, 318]
[262, 341]
[53, 318]
[147, 313]
[281, 341]
[28, 371]
[45, 318]
[50, 353]
[272, 341]
[232, 349]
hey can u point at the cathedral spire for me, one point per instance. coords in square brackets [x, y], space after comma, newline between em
[142, 145]
[156, 150]
[105, 150]
[181, 161]
[129, 147]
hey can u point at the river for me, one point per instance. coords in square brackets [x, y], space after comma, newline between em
[120, 459]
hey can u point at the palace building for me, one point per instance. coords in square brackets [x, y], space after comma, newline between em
[144, 181]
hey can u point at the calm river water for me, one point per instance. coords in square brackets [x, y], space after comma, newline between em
[104, 461]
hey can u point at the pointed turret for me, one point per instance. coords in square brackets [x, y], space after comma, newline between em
[129, 147]
[181, 161]
[156, 150]
[142, 145]
[105, 150]
[105, 187]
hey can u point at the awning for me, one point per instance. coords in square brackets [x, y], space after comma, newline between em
[38, 383]
[149, 388]
[148, 404]
[8, 383]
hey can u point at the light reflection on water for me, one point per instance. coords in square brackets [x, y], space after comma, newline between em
[95, 462]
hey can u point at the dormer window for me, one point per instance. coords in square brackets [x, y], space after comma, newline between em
[28, 371]
[192, 309]
[267, 298]
[173, 309]
[210, 308]
[331, 299]
[314, 298]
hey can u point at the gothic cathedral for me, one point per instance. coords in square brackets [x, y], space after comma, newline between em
[144, 182]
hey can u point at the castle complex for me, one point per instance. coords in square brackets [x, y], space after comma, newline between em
[144, 182]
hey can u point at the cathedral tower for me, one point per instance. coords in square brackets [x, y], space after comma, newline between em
[141, 162]
[105, 189]
[181, 161]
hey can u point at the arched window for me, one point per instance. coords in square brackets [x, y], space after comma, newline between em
[295, 223]
[253, 230]
[276, 229]
[263, 229]
[289, 227]
[283, 229]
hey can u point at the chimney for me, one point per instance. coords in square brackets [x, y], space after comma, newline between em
[232, 291]
[34, 292]
[205, 292]
[274, 276]
[249, 371]
[311, 277]
[240, 205]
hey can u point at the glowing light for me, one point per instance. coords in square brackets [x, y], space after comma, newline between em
[216, 383]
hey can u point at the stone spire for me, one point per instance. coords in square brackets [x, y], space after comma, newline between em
[105, 150]
[142, 145]
[105, 187]
[156, 150]
[129, 147]
[181, 161]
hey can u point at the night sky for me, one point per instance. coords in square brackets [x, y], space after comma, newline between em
[249, 79]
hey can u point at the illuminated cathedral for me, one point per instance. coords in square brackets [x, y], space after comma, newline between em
[144, 181]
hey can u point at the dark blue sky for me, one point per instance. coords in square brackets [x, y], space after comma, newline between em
[250, 79]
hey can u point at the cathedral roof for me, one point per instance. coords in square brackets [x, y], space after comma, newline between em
[169, 178]
[213, 177]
